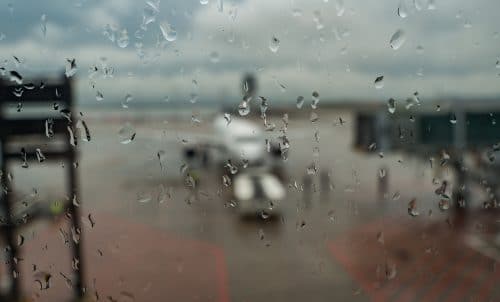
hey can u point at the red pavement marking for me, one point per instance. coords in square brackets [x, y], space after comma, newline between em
[469, 280]
[435, 263]
[137, 258]
[485, 290]
[348, 263]
[445, 279]
[358, 256]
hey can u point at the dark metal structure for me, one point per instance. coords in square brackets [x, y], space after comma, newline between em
[48, 131]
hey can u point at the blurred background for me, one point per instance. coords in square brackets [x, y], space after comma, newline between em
[250, 150]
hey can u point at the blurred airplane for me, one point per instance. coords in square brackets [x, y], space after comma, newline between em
[244, 159]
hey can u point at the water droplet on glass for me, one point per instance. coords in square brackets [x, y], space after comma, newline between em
[232, 168]
[340, 8]
[155, 5]
[226, 180]
[396, 196]
[70, 67]
[402, 10]
[99, 96]
[467, 24]
[300, 102]
[412, 208]
[143, 197]
[127, 134]
[315, 100]
[431, 5]
[311, 169]
[227, 117]
[244, 108]
[390, 270]
[39, 155]
[127, 99]
[49, 128]
[397, 39]
[264, 215]
[123, 40]
[203, 2]
[16, 77]
[274, 44]
[453, 118]
[379, 82]
[444, 204]
[214, 57]
[168, 31]
[43, 24]
[314, 117]
[391, 105]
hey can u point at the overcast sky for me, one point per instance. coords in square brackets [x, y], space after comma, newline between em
[337, 48]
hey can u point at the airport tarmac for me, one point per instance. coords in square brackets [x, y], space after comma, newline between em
[339, 242]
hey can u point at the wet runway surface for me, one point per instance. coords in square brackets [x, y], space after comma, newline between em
[337, 243]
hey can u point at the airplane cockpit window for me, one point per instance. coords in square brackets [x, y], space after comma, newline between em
[249, 150]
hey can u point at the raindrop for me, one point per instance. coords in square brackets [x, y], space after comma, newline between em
[203, 2]
[143, 197]
[91, 220]
[227, 117]
[390, 271]
[264, 215]
[72, 140]
[16, 77]
[315, 100]
[431, 5]
[127, 99]
[314, 117]
[226, 180]
[70, 67]
[311, 169]
[261, 234]
[379, 82]
[412, 208]
[340, 8]
[397, 39]
[43, 279]
[168, 31]
[420, 49]
[87, 131]
[444, 204]
[396, 196]
[300, 102]
[453, 119]
[49, 128]
[391, 105]
[244, 108]
[99, 96]
[43, 24]
[467, 24]
[10, 6]
[39, 155]
[123, 39]
[220, 5]
[127, 134]
[274, 44]
[20, 240]
[155, 5]
[18, 92]
[214, 57]
[232, 168]
[402, 10]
